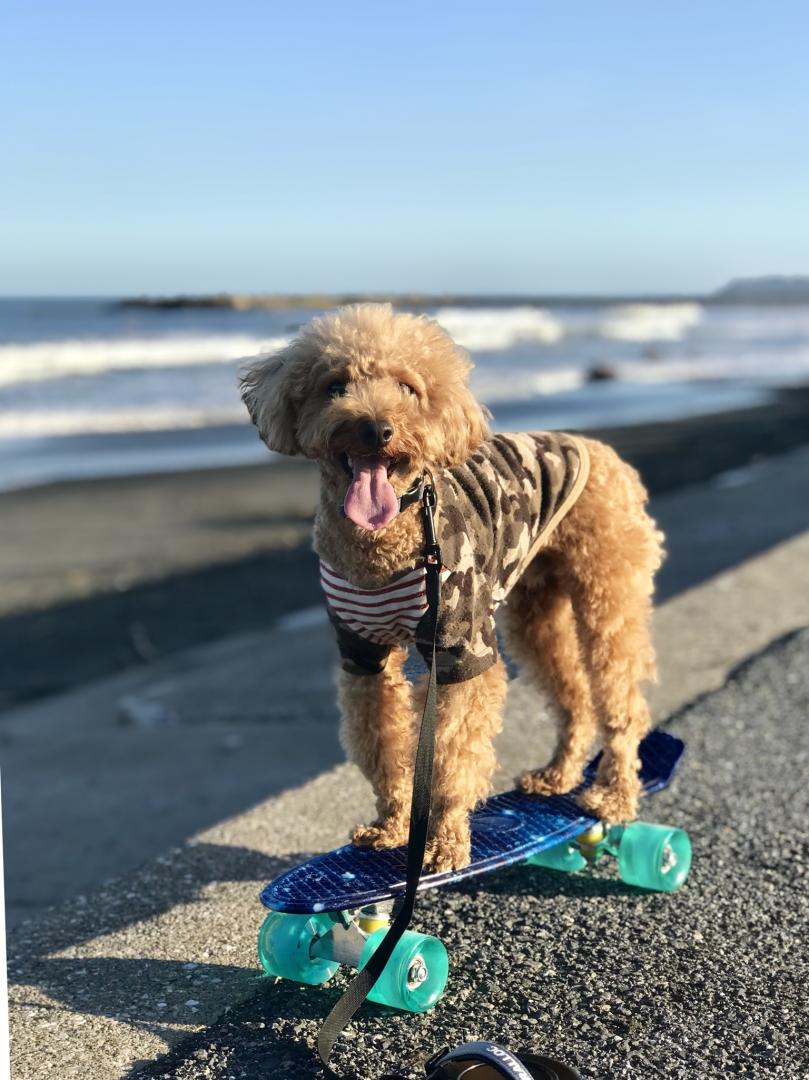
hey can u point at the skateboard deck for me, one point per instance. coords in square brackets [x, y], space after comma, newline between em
[508, 828]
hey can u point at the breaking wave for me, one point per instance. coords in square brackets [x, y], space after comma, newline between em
[491, 387]
[40, 360]
[489, 329]
[755, 367]
[477, 329]
[42, 423]
[493, 329]
[650, 322]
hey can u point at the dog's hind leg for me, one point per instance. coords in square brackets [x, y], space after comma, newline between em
[541, 633]
[377, 735]
[611, 551]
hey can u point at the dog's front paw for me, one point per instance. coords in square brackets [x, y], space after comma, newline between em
[390, 833]
[449, 848]
[552, 780]
[611, 803]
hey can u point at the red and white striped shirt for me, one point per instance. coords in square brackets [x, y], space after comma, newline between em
[385, 616]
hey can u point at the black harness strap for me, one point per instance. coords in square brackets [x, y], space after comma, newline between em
[362, 983]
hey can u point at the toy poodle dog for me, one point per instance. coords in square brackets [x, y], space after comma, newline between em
[551, 526]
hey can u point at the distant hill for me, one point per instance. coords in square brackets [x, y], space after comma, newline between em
[772, 289]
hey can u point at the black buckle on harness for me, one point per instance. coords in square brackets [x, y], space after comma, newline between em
[412, 495]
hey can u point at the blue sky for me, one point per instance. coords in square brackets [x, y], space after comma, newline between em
[479, 147]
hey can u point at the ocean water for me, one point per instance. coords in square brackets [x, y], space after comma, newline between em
[88, 388]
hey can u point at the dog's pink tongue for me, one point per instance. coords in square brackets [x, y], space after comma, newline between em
[370, 501]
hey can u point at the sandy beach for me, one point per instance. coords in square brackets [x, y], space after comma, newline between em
[108, 573]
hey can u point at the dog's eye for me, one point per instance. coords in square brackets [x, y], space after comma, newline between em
[336, 389]
[408, 389]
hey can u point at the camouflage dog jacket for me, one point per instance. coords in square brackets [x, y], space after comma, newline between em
[494, 513]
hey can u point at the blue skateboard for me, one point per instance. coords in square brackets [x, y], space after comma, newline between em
[335, 908]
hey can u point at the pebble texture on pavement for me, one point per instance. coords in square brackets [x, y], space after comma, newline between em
[709, 982]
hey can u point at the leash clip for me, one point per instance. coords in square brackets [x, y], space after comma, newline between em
[429, 503]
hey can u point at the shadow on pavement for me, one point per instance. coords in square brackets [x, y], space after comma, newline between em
[130, 989]
[259, 1038]
[68, 644]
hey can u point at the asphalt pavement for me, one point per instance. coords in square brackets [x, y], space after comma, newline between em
[709, 982]
[163, 956]
[138, 762]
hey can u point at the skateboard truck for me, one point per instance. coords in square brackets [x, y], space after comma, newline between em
[342, 942]
[591, 842]
[345, 941]
[373, 917]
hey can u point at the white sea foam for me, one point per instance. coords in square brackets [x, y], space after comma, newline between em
[197, 386]
[771, 368]
[488, 329]
[104, 419]
[43, 423]
[492, 329]
[770, 325]
[490, 385]
[493, 386]
[650, 322]
[39, 360]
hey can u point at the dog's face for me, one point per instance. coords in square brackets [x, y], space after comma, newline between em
[375, 397]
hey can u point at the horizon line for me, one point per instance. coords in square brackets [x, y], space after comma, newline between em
[361, 294]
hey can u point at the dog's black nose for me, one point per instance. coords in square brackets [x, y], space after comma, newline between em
[376, 433]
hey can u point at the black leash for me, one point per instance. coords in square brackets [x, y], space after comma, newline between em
[362, 983]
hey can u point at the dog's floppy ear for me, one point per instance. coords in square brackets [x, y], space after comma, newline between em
[465, 425]
[265, 388]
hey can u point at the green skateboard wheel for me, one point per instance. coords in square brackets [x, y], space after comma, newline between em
[564, 856]
[654, 856]
[416, 974]
[283, 947]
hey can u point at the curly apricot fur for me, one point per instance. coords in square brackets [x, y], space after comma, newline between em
[579, 617]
